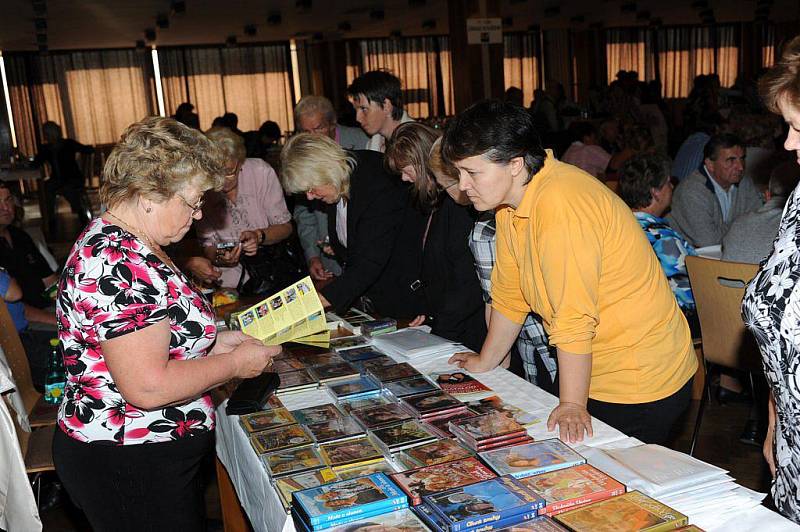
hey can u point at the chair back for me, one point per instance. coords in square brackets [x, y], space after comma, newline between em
[17, 359]
[718, 287]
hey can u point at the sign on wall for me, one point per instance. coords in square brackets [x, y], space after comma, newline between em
[484, 30]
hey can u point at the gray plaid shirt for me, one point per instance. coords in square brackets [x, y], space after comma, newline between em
[532, 339]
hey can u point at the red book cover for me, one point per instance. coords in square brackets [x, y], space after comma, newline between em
[441, 477]
[459, 383]
[572, 487]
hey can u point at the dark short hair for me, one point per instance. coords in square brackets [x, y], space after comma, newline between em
[580, 130]
[722, 141]
[377, 86]
[500, 131]
[638, 175]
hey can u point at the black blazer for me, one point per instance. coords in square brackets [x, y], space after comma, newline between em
[382, 257]
[452, 291]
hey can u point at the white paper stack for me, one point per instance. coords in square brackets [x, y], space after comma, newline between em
[705, 493]
[415, 344]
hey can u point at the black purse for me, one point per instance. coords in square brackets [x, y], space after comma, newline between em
[252, 394]
[272, 268]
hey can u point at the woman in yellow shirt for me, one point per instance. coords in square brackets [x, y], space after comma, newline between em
[569, 250]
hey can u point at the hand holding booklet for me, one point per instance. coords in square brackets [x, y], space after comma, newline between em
[294, 314]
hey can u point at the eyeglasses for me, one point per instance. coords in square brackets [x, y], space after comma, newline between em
[196, 207]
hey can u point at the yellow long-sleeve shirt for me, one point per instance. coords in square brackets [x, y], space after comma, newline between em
[573, 253]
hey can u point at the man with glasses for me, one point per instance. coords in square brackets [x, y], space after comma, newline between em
[315, 114]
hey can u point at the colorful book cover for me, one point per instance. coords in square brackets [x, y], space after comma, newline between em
[394, 372]
[347, 498]
[341, 454]
[431, 518]
[279, 439]
[266, 420]
[289, 315]
[316, 414]
[631, 512]
[330, 372]
[575, 486]
[483, 503]
[508, 442]
[361, 353]
[437, 452]
[432, 403]
[412, 386]
[349, 404]
[532, 458]
[360, 386]
[286, 364]
[326, 526]
[381, 466]
[348, 342]
[335, 429]
[296, 381]
[319, 359]
[292, 461]
[441, 424]
[273, 402]
[441, 477]
[377, 416]
[300, 481]
[402, 436]
[486, 427]
[495, 404]
[538, 524]
[399, 521]
[461, 385]
[364, 366]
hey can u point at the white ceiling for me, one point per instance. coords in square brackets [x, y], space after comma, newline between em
[92, 24]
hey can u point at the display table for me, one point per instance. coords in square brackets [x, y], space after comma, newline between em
[263, 507]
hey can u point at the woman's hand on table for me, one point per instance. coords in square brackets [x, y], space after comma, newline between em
[252, 358]
[470, 361]
[416, 322]
[249, 240]
[202, 269]
[572, 420]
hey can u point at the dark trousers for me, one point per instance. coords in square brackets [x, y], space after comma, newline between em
[149, 487]
[37, 349]
[649, 422]
[72, 192]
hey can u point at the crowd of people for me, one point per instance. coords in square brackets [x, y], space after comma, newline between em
[552, 247]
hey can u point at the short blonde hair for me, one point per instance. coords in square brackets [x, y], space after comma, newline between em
[783, 79]
[158, 157]
[231, 144]
[309, 161]
[445, 173]
[410, 145]
[314, 104]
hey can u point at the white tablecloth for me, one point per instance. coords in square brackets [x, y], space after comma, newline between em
[263, 507]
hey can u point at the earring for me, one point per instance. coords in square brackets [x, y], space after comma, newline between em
[148, 210]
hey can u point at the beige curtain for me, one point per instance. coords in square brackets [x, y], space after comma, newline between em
[251, 81]
[521, 63]
[446, 70]
[767, 38]
[94, 96]
[630, 49]
[684, 53]
[727, 55]
[416, 61]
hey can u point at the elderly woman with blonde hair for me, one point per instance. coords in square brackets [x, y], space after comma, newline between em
[374, 232]
[451, 288]
[141, 347]
[249, 211]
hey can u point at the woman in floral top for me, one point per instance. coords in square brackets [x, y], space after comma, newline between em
[140, 346]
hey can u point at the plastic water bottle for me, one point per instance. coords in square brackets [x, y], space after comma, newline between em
[56, 376]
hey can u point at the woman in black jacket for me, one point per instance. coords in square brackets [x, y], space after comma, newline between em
[374, 232]
[446, 270]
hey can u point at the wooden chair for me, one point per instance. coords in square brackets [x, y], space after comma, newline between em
[40, 414]
[718, 288]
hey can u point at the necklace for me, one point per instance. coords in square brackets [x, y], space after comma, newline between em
[141, 234]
